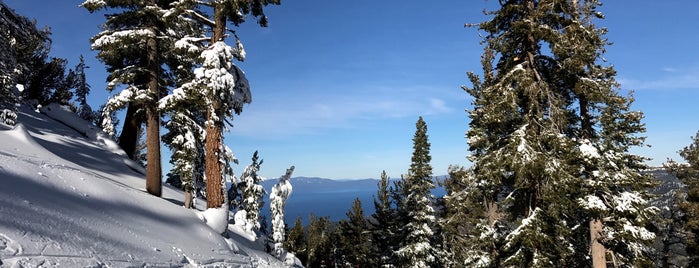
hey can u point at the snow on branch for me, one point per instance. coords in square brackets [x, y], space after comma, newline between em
[109, 38]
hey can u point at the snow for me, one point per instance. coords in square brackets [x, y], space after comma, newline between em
[68, 199]
[216, 218]
[523, 149]
[526, 224]
[588, 150]
[100, 3]
[108, 38]
[628, 201]
[592, 202]
[280, 192]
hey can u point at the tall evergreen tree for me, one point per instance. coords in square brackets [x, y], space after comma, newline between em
[133, 44]
[688, 173]
[383, 225]
[82, 89]
[416, 248]
[547, 123]
[217, 81]
[606, 129]
[355, 236]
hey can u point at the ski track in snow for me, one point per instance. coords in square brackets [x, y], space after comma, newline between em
[73, 202]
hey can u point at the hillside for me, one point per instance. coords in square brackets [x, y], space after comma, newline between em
[69, 197]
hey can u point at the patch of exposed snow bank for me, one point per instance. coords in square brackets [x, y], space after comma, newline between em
[216, 218]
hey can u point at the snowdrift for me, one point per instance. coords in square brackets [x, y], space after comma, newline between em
[69, 197]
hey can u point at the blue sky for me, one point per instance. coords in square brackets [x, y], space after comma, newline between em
[338, 85]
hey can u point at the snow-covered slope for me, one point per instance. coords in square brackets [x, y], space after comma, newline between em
[69, 198]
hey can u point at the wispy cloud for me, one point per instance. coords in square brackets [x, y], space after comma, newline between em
[671, 78]
[304, 115]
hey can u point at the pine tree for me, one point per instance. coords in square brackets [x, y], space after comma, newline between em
[217, 81]
[320, 242]
[132, 45]
[295, 241]
[252, 192]
[82, 89]
[355, 235]
[416, 248]
[549, 135]
[670, 242]
[62, 94]
[461, 215]
[185, 138]
[277, 199]
[383, 225]
[47, 83]
[24, 49]
[607, 129]
[14, 31]
[688, 173]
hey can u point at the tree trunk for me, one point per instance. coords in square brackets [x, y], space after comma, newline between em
[153, 168]
[214, 131]
[128, 139]
[188, 200]
[214, 174]
[597, 250]
[493, 213]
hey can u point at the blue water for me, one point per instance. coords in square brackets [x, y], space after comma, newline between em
[323, 197]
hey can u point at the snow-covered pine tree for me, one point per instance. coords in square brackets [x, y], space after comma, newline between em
[688, 173]
[252, 192]
[615, 186]
[548, 134]
[462, 213]
[133, 44]
[277, 199]
[416, 249]
[217, 81]
[355, 236]
[383, 226]
[185, 138]
[518, 139]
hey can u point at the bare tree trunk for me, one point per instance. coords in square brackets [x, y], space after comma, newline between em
[493, 213]
[597, 250]
[214, 132]
[128, 139]
[188, 202]
[153, 165]
[214, 171]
